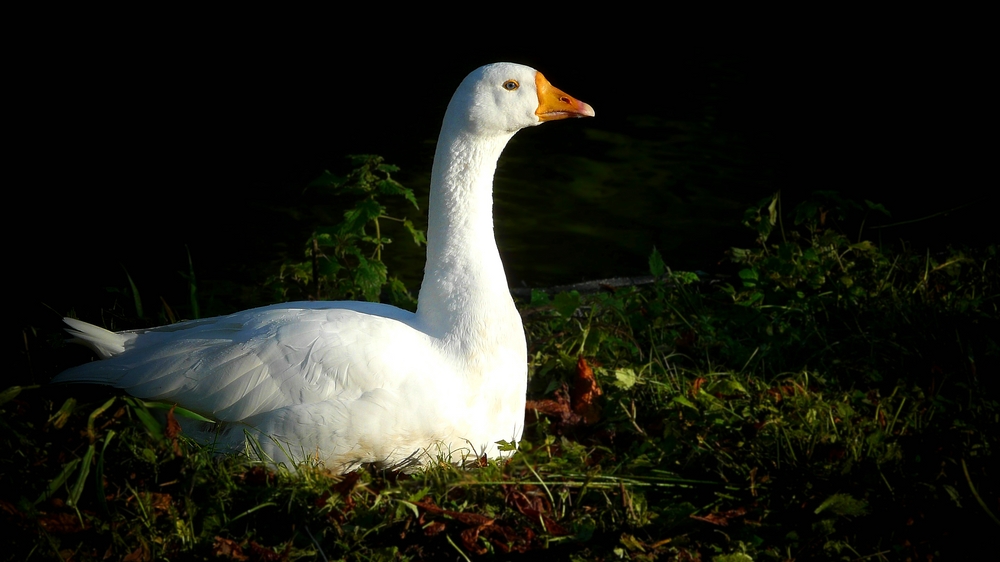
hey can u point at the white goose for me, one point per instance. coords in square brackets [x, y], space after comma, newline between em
[354, 382]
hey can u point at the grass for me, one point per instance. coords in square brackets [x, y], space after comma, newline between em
[831, 399]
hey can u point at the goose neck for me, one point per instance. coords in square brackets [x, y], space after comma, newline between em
[464, 277]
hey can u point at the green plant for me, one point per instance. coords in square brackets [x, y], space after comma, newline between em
[344, 261]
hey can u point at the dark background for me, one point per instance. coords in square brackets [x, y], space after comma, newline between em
[136, 144]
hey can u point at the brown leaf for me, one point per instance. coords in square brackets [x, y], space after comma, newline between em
[434, 528]
[347, 483]
[559, 408]
[228, 548]
[60, 523]
[257, 476]
[428, 504]
[520, 501]
[504, 539]
[721, 518]
[160, 502]
[535, 511]
[470, 540]
[140, 554]
[344, 489]
[260, 553]
[10, 509]
[696, 385]
[173, 427]
[585, 393]
[320, 501]
[471, 519]
[173, 430]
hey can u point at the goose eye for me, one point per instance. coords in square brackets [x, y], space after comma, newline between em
[510, 85]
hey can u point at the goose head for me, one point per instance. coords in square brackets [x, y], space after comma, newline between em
[502, 98]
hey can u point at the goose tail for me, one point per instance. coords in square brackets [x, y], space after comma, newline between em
[104, 342]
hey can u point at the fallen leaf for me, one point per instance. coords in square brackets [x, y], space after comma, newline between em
[535, 510]
[60, 523]
[696, 385]
[140, 554]
[160, 502]
[344, 489]
[173, 430]
[228, 548]
[257, 476]
[460, 516]
[470, 540]
[585, 393]
[721, 518]
[261, 553]
[558, 407]
[434, 528]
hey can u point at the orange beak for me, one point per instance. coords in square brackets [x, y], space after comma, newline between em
[555, 104]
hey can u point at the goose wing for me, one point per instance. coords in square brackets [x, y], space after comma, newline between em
[237, 366]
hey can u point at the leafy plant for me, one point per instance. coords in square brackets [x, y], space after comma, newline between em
[344, 261]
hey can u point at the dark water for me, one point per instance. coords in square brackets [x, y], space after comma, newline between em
[211, 154]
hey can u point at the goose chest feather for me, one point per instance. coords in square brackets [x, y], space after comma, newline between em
[350, 383]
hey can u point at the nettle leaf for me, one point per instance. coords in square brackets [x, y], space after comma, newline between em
[323, 240]
[506, 446]
[419, 238]
[408, 194]
[728, 386]
[878, 207]
[656, 265]
[539, 297]
[326, 179]
[372, 240]
[864, 246]
[749, 277]
[369, 277]
[391, 187]
[806, 212]
[347, 246]
[740, 255]
[685, 402]
[566, 303]
[328, 267]
[360, 160]
[355, 252]
[355, 219]
[400, 296]
[685, 277]
[625, 378]
[772, 211]
[843, 504]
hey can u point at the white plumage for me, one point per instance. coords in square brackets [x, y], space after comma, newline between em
[354, 382]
